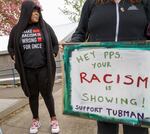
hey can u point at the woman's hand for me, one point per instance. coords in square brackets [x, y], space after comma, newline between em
[54, 55]
[13, 58]
[61, 46]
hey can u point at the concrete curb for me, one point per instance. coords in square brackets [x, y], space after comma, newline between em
[5, 114]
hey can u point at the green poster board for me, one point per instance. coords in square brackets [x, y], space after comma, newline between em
[108, 82]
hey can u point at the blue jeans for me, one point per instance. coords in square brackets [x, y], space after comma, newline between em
[110, 128]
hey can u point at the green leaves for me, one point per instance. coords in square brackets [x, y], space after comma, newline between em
[72, 8]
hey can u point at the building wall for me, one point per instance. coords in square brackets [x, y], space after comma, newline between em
[6, 69]
[5, 61]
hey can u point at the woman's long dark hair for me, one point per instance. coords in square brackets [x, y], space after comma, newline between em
[105, 1]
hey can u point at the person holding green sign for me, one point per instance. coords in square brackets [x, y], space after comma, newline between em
[114, 20]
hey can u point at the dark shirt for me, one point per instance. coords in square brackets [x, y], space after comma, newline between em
[112, 22]
[32, 46]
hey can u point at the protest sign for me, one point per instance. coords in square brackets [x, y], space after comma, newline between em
[108, 82]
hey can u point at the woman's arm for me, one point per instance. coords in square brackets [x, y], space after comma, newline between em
[81, 32]
[146, 4]
[10, 47]
[55, 44]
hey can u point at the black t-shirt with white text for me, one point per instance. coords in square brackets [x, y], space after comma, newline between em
[33, 48]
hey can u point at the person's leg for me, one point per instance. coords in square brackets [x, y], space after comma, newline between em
[35, 125]
[134, 130]
[48, 98]
[34, 106]
[34, 91]
[33, 99]
[49, 101]
[45, 92]
[107, 128]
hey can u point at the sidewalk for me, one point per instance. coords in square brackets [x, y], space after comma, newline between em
[19, 122]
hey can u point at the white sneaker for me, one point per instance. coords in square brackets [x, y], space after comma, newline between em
[54, 126]
[34, 126]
